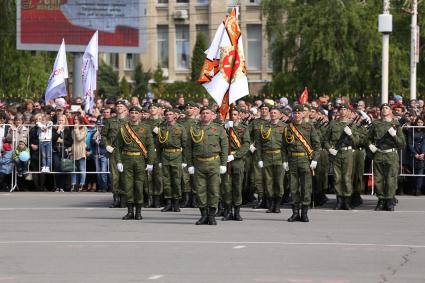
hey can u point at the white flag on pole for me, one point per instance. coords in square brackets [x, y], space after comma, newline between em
[56, 86]
[90, 66]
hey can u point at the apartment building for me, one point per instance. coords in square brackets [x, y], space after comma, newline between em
[171, 36]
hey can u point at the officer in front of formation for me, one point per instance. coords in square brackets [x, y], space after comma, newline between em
[270, 156]
[134, 154]
[207, 152]
[301, 150]
[172, 139]
[386, 140]
[238, 136]
[110, 132]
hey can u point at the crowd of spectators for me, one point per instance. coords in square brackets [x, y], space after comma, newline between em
[35, 138]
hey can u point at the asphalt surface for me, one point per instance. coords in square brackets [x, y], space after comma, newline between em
[73, 237]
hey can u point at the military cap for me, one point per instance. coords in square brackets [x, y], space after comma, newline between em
[307, 106]
[174, 110]
[134, 108]
[286, 111]
[298, 108]
[385, 104]
[266, 105]
[120, 102]
[192, 104]
[144, 110]
[343, 106]
[203, 108]
[155, 105]
[275, 108]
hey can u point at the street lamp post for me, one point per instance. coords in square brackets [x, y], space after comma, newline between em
[385, 26]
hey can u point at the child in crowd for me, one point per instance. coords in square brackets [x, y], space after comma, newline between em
[45, 139]
[6, 166]
[20, 163]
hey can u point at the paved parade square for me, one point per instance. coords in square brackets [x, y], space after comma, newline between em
[64, 237]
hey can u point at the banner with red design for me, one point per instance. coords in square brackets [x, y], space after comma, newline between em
[224, 72]
[303, 97]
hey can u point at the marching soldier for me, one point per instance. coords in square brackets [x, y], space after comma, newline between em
[110, 132]
[207, 158]
[386, 140]
[339, 141]
[156, 183]
[301, 151]
[192, 110]
[270, 156]
[135, 154]
[172, 139]
[257, 172]
[233, 180]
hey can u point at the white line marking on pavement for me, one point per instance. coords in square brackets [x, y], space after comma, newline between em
[52, 208]
[217, 243]
[239, 247]
[154, 277]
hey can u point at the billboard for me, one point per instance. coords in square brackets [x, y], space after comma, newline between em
[122, 25]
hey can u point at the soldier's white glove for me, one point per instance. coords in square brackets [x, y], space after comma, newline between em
[313, 164]
[333, 151]
[228, 124]
[373, 148]
[392, 132]
[223, 169]
[260, 164]
[252, 148]
[155, 130]
[160, 165]
[230, 158]
[285, 166]
[184, 165]
[149, 168]
[347, 130]
[109, 149]
[120, 167]
[191, 170]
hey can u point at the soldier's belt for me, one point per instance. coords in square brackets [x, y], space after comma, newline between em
[132, 153]
[346, 148]
[171, 149]
[387, 150]
[294, 153]
[271, 151]
[211, 158]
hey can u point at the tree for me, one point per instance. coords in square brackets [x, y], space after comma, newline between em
[107, 81]
[198, 56]
[333, 46]
[141, 81]
[158, 86]
[124, 88]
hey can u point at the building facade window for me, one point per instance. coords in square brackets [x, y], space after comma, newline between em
[254, 2]
[131, 61]
[162, 2]
[270, 42]
[202, 2]
[182, 1]
[254, 53]
[204, 30]
[182, 46]
[162, 41]
[112, 59]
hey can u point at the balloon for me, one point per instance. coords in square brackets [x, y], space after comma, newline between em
[24, 156]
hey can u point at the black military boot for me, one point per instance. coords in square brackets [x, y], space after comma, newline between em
[138, 215]
[276, 208]
[237, 216]
[168, 206]
[389, 203]
[204, 217]
[380, 205]
[176, 205]
[186, 199]
[272, 205]
[227, 214]
[295, 214]
[211, 216]
[356, 199]
[304, 210]
[286, 197]
[130, 213]
[339, 203]
[194, 200]
[116, 203]
[347, 203]
[220, 209]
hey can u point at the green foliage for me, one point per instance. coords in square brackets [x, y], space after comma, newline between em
[124, 88]
[198, 56]
[141, 81]
[333, 46]
[158, 86]
[107, 81]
